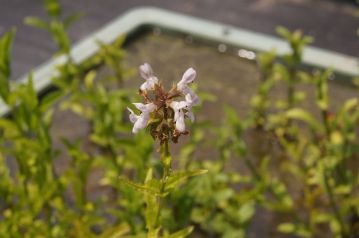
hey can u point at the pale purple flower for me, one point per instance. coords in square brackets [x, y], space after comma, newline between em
[133, 116]
[180, 125]
[190, 103]
[187, 78]
[160, 100]
[179, 107]
[146, 73]
[141, 121]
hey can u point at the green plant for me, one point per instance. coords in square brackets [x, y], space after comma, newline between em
[298, 166]
[165, 119]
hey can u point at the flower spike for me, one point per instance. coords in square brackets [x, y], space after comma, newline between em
[146, 73]
[161, 112]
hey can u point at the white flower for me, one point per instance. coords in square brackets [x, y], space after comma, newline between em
[187, 78]
[179, 114]
[141, 121]
[147, 74]
[179, 107]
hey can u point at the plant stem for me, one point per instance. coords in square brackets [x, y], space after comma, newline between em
[166, 163]
[333, 205]
[291, 91]
[325, 116]
[328, 188]
[290, 94]
[165, 158]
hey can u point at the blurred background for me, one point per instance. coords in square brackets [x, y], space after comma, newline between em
[333, 23]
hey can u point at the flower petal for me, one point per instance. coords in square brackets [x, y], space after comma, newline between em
[146, 71]
[141, 123]
[145, 86]
[133, 116]
[178, 105]
[140, 106]
[188, 77]
[191, 98]
[190, 114]
[180, 124]
[150, 107]
[149, 84]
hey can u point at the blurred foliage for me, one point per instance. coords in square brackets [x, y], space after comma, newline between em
[305, 182]
[56, 24]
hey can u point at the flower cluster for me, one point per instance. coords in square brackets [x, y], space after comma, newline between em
[160, 111]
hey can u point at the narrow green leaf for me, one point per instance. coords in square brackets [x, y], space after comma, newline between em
[142, 188]
[9, 128]
[5, 69]
[286, 228]
[301, 114]
[60, 36]
[36, 22]
[246, 212]
[116, 232]
[52, 8]
[179, 177]
[49, 99]
[283, 32]
[89, 79]
[152, 207]
[4, 87]
[350, 104]
[72, 19]
[181, 233]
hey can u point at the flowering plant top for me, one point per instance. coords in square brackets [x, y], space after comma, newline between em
[164, 112]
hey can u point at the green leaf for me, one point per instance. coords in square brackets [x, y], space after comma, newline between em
[301, 114]
[10, 129]
[283, 32]
[181, 233]
[207, 97]
[286, 228]
[350, 104]
[266, 61]
[246, 212]
[49, 99]
[60, 36]
[152, 206]
[151, 189]
[89, 79]
[5, 70]
[153, 233]
[343, 189]
[52, 8]
[30, 95]
[179, 177]
[231, 115]
[116, 232]
[4, 87]
[72, 19]
[37, 22]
